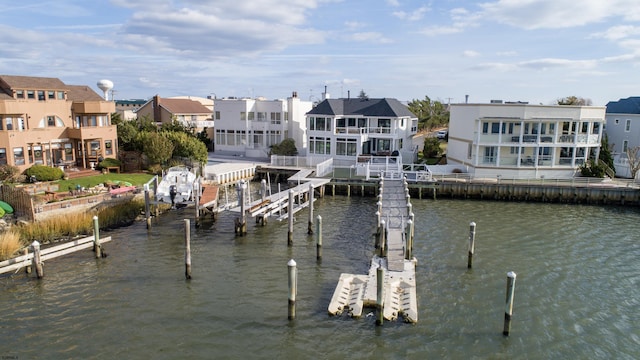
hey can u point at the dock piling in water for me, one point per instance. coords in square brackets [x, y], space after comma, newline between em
[36, 261]
[310, 196]
[472, 243]
[97, 248]
[319, 234]
[379, 295]
[293, 288]
[187, 249]
[508, 311]
[290, 211]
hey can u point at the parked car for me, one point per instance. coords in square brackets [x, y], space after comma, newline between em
[442, 134]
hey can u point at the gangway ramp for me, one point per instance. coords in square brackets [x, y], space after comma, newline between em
[355, 292]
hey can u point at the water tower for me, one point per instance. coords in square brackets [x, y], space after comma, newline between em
[105, 85]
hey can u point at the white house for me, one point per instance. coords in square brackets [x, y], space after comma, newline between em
[249, 127]
[518, 140]
[623, 131]
[344, 129]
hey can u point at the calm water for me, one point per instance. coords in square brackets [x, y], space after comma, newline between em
[577, 291]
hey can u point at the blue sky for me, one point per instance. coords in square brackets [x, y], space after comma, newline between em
[514, 50]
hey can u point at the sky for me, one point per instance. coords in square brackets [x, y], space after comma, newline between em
[513, 50]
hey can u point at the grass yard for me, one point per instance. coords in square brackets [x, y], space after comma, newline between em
[90, 181]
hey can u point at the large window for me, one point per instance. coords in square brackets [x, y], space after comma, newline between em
[275, 117]
[346, 147]
[18, 155]
[490, 154]
[3, 156]
[19, 95]
[320, 124]
[627, 126]
[108, 147]
[36, 155]
[274, 137]
[319, 145]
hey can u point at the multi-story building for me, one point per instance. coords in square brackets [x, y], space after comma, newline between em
[518, 140]
[128, 108]
[45, 121]
[623, 131]
[249, 127]
[344, 129]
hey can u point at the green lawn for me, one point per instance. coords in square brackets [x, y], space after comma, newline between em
[90, 181]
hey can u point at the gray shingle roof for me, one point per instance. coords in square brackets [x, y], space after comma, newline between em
[630, 105]
[386, 107]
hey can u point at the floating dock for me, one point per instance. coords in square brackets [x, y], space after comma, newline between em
[355, 292]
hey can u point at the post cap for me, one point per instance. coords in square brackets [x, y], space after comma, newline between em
[511, 274]
[291, 263]
[35, 244]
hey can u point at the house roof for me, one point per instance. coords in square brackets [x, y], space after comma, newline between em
[183, 106]
[82, 93]
[630, 105]
[386, 107]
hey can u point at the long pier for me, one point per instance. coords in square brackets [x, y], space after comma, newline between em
[394, 243]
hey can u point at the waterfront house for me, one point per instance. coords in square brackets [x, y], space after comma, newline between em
[128, 108]
[519, 140]
[249, 127]
[45, 121]
[623, 131]
[352, 128]
[190, 113]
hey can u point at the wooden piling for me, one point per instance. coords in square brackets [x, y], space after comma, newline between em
[378, 231]
[408, 240]
[156, 207]
[187, 249]
[310, 196]
[147, 211]
[383, 238]
[27, 268]
[97, 248]
[319, 235]
[36, 261]
[290, 211]
[197, 200]
[379, 294]
[293, 288]
[508, 311]
[472, 243]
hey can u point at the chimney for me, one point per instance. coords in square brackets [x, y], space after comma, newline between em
[295, 94]
[156, 109]
[348, 94]
[466, 99]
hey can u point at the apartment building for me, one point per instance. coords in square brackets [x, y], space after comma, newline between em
[518, 140]
[345, 129]
[249, 127]
[45, 121]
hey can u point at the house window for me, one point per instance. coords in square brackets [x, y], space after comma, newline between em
[108, 145]
[627, 126]
[596, 128]
[220, 137]
[319, 145]
[625, 146]
[352, 122]
[60, 95]
[41, 95]
[585, 128]
[9, 122]
[37, 155]
[31, 94]
[617, 121]
[346, 147]
[217, 115]
[68, 152]
[469, 151]
[3, 156]
[320, 124]
[18, 155]
[485, 127]
[490, 153]
[340, 123]
[19, 95]
[495, 128]
[262, 116]
[274, 137]
[243, 116]
[51, 121]
[251, 116]
[51, 95]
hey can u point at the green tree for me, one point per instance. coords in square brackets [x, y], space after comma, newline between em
[363, 95]
[287, 148]
[605, 153]
[157, 147]
[574, 100]
[431, 114]
[431, 147]
[187, 146]
[202, 136]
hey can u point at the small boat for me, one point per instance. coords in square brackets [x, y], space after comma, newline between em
[176, 186]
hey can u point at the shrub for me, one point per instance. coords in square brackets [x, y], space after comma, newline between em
[109, 162]
[9, 173]
[44, 173]
[592, 169]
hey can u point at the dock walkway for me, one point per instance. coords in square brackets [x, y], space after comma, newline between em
[354, 292]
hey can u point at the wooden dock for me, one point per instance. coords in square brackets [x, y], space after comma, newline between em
[354, 292]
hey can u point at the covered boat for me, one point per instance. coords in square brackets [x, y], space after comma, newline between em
[176, 186]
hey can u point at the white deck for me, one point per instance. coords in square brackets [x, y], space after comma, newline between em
[354, 292]
[229, 172]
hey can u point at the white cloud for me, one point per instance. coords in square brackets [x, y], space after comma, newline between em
[393, 2]
[414, 15]
[371, 36]
[618, 32]
[553, 14]
[470, 53]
